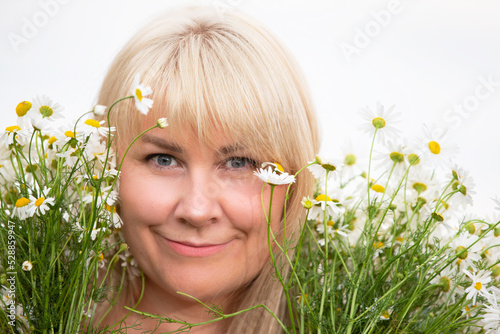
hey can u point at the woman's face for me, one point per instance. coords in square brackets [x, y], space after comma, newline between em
[192, 215]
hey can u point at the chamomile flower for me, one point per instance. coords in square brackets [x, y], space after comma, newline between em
[139, 91]
[445, 279]
[40, 204]
[478, 285]
[331, 231]
[436, 149]
[27, 265]
[322, 205]
[467, 249]
[381, 121]
[113, 216]
[386, 314]
[491, 318]
[320, 167]
[44, 110]
[70, 157]
[274, 178]
[21, 209]
[391, 158]
[11, 133]
[94, 127]
[463, 185]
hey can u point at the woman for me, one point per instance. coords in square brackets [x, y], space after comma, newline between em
[189, 201]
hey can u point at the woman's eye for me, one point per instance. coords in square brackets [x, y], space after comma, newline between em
[164, 160]
[239, 162]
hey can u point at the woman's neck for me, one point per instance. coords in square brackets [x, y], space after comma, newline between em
[180, 309]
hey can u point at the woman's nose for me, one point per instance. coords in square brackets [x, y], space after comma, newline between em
[198, 201]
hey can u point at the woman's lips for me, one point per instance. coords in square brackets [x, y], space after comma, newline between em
[189, 249]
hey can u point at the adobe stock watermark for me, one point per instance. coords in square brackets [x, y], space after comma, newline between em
[486, 87]
[365, 35]
[31, 26]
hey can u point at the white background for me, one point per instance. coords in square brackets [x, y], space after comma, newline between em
[426, 57]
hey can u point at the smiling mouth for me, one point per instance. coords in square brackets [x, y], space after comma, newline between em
[188, 249]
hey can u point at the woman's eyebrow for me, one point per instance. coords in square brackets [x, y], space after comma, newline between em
[161, 143]
[230, 149]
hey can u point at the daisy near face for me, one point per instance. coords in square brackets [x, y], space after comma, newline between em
[193, 216]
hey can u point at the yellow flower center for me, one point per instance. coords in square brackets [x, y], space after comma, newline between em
[329, 167]
[350, 159]
[323, 198]
[100, 257]
[378, 122]
[386, 315]
[46, 111]
[52, 140]
[413, 159]
[419, 187]
[22, 108]
[461, 252]
[378, 245]
[378, 188]
[437, 216]
[303, 298]
[12, 128]
[39, 201]
[478, 286]
[93, 123]
[138, 93]
[22, 202]
[69, 134]
[445, 283]
[470, 227]
[434, 147]
[110, 208]
[397, 157]
[280, 168]
[330, 223]
[307, 203]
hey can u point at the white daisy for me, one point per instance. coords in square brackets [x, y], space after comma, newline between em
[139, 91]
[320, 167]
[11, 133]
[324, 204]
[40, 204]
[463, 185]
[491, 318]
[21, 209]
[466, 249]
[70, 156]
[478, 285]
[272, 177]
[445, 279]
[381, 121]
[436, 149]
[43, 111]
[27, 265]
[391, 156]
[94, 127]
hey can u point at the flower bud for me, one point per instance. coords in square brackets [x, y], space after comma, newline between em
[162, 123]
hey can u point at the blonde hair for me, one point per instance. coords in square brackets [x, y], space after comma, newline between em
[209, 71]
